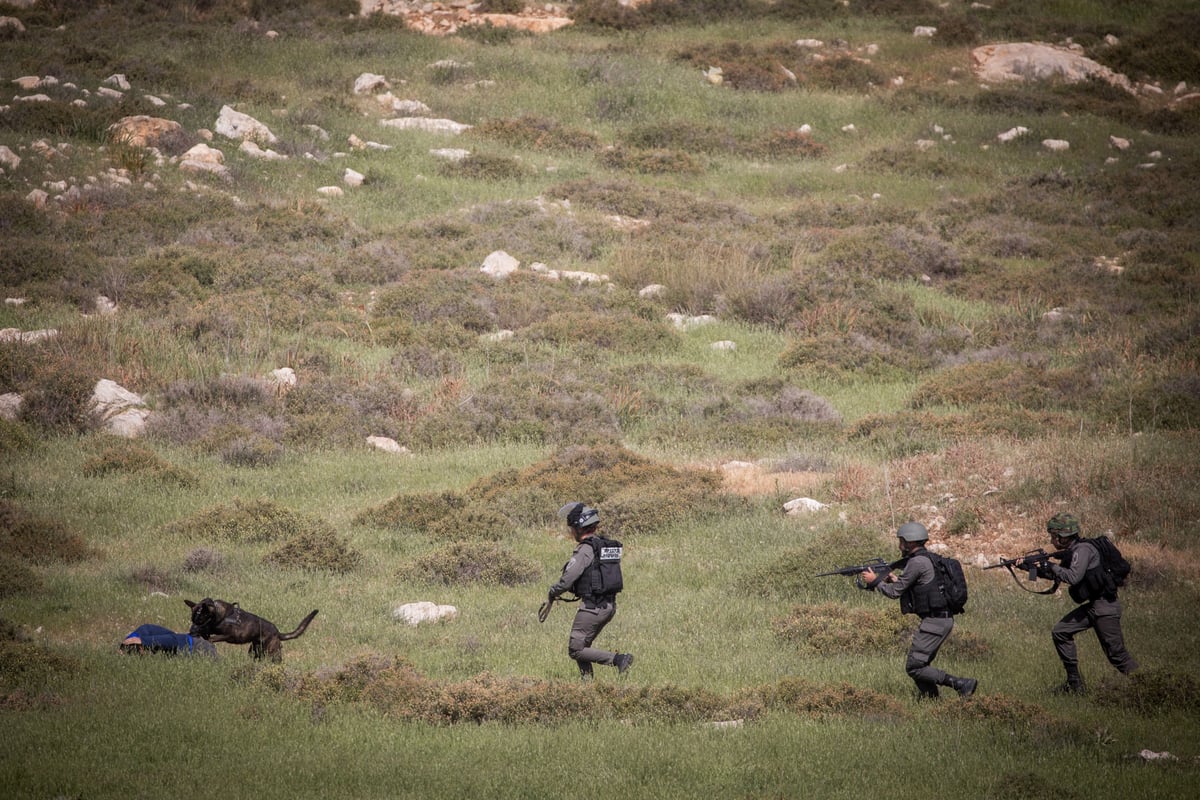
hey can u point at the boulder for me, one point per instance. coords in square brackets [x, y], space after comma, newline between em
[236, 125]
[143, 130]
[1024, 61]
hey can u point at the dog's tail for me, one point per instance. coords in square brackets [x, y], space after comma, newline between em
[296, 634]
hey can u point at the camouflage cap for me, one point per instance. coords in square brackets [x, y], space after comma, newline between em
[1063, 525]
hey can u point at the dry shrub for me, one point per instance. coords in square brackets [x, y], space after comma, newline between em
[151, 578]
[412, 512]
[650, 162]
[536, 132]
[617, 330]
[315, 550]
[784, 143]
[800, 696]
[14, 437]
[791, 575]
[1018, 717]
[17, 577]
[38, 541]
[1151, 691]
[246, 522]
[485, 167]
[58, 400]
[458, 563]
[135, 460]
[27, 669]
[909, 433]
[658, 494]
[472, 522]
[202, 559]
[393, 687]
[1001, 381]
[837, 629]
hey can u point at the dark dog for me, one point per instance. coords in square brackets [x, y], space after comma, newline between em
[218, 621]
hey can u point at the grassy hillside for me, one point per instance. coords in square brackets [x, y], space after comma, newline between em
[864, 296]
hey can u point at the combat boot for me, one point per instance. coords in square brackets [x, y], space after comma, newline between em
[623, 661]
[964, 686]
[585, 670]
[1074, 683]
[927, 691]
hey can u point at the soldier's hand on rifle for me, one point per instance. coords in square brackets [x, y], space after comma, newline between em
[869, 579]
[1044, 572]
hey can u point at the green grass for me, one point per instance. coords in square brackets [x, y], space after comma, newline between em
[376, 301]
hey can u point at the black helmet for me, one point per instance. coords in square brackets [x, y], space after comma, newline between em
[913, 532]
[579, 515]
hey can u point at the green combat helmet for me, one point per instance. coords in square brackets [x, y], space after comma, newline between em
[1063, 526]
[913, 532]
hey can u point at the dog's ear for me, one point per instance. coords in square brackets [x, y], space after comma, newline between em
[190, 604]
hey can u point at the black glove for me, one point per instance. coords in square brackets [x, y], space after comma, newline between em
[1044, 572]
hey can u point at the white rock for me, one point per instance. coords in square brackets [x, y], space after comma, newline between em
[1012, 133]
[118, 80]
[235, 125]
[250, 148]
[1118, 142]
[423, 611]
[426, 124]
[1057, 145]
[8, 158]
[652, 290]
[10, 405]
[369, 82]
[803, 505]
[499, 264]
[450, 153]
[331, 191]
[724, 345]
[284, 377]
[352, 178]
[497, 336]
[924, 31]
[387, 445]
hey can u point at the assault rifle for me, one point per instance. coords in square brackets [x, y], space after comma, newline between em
[876, 565]
[1033, 561]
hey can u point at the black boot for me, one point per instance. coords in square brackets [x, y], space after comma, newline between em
[585, 670]
[1074, 683]
[964, 686]
[927, 691]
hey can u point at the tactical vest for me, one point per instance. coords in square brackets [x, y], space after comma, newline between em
[602, 579]
[922, 599]
[1095, 583]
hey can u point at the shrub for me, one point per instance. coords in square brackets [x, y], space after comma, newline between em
[17, 577]
[484, 167]
[459, 563]
[14, 437]
[247, 522]
[202, 559]
[536, 132]
[833, 628]
[791, 575]
[650, 162]
[956, 30]
[798, 695]
[1151, 691]
[315, 549]
[151, 578]
[59, 398]
[38, 541]
[135, 460]
[414, 513]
